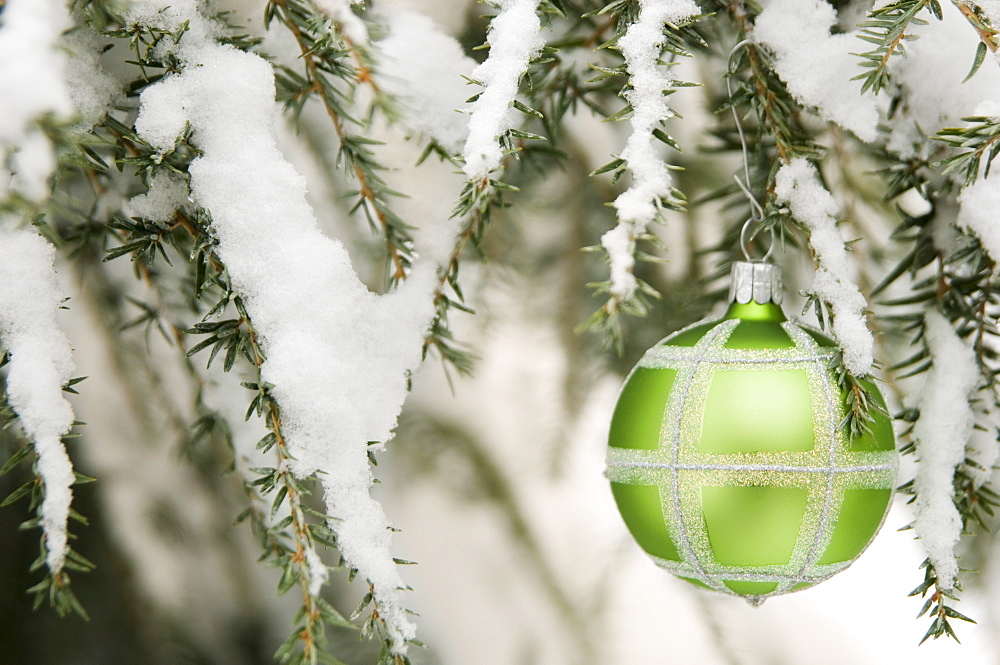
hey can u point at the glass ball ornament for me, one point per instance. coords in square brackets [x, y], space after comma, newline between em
[727, 456]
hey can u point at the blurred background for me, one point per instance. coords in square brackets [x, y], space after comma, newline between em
[495, 480]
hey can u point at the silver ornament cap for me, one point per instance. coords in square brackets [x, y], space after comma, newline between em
[757, 282]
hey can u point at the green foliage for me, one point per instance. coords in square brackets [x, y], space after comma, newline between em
[977, 141]
[886, 28]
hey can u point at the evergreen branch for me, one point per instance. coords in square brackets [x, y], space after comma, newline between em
[308, 639]
[978, 140]
[886, 28]
[475, 205]
[936, 606]
[765, 92]
[322, 53]
[55, 587]
[633, 295]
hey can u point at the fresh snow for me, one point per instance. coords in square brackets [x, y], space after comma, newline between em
[41, 363]
[338, 355]
[941, 433]
[426, 68]
[32, 78]
[514, 38]
[92, 89]
[798, 184]
[817, 66]
[639, 204]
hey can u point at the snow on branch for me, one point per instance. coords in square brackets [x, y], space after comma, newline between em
[514, 38]
[41, 363]
[639, 205]
[337, 355]
[941, 433]
[32, 86]
[798, 185]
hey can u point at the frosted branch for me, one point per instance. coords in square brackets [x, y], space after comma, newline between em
[798, 185]
[941, 433]
[641, 46]
[514, 38]
[41, 363]
[338, 356]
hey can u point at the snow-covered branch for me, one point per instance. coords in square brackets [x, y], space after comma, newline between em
[941, 434]
[651, 182]
[337, 355]
[798, 184]
[514, 38]
[41, 363]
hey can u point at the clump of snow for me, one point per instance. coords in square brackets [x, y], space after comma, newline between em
[639, 204]
[349, 23]
[167, 193]
[172, 17]
[941, 434]
[798, 184]
[41, 363]
[816, 66]
[980, 203]
[338, 356]
[32, 85]
[515, 39]
[425, 67]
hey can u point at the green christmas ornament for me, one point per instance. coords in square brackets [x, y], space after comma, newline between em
[726, 455]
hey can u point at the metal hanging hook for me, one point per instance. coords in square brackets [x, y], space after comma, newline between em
[756, 210]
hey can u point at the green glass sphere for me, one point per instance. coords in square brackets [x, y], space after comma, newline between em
[729, 464]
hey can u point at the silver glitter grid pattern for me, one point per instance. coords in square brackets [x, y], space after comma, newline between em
[680, 470]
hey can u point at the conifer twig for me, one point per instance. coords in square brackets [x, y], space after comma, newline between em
[319, 56]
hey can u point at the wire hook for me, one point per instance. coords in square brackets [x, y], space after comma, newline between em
[756, 210]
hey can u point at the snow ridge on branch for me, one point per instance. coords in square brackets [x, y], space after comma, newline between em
[41, 363]
[941, 433]
[32, 85]
[337, 355]
[797, 183]
[639, 205]
[515, 40]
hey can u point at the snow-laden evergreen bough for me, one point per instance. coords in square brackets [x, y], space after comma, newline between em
[151, 132]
